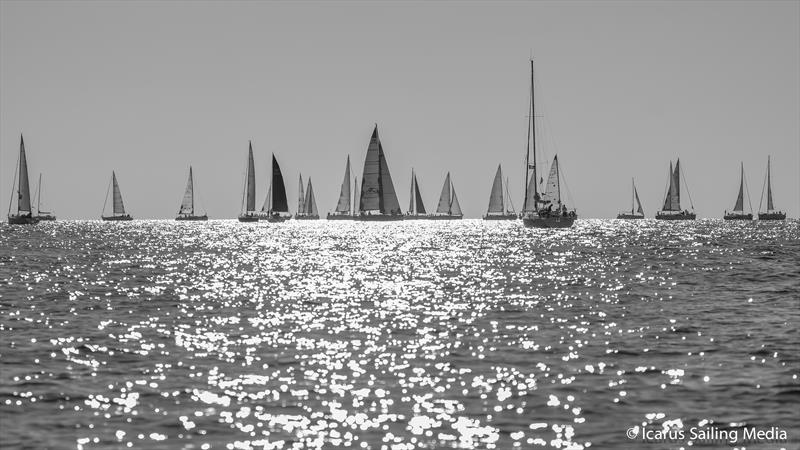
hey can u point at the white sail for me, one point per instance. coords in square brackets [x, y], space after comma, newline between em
[496, 197]
[444, 198]
[552, 190]
[119, 207]
[530, 201]
[24, 188]
[343, 207]
[187, 205]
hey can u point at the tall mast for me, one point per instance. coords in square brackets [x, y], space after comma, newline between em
[633, 187]
[531, 131]
[39, 195]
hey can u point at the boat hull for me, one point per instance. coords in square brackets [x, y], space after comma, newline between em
[738, 217]
[274, 219]
[630, 216]
[192, 218]
[772, 216]
[46, 218]
[248, 218]
[445, 217]
[340, 217]
[678, 216]
[25, 219]
[124, 218]
[554, 221]
[500, 217]
[379, 217]
[315, 217]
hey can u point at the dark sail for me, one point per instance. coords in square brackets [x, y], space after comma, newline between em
[24, 189]
[418, 198]
[279, 201]
[250, 182]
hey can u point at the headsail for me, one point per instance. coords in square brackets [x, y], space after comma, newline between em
[24, 188]
[444, 198]
[250, 182]
[279, 201]
[187, 205]
[377, 189]
[639, 208]
[552, 190]
[496, 197]
[455, 207]
[344, 194]
[310, 203]
[672, 202]
[418, 198]
[119, 207]
[739, 207]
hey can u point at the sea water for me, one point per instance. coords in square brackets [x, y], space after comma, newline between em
[415, 334]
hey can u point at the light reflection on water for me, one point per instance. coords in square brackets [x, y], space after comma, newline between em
[393, 335]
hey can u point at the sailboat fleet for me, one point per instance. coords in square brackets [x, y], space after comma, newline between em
[376, 200]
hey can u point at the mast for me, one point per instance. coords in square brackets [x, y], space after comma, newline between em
[531, 144]
[39, 195]
[633, 188]
[770, 206]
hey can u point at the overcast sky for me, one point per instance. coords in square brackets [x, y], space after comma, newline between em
[147, 88]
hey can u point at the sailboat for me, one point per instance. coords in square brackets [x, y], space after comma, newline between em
[448, 207]
[118, 208]
[416, 209]
[24, 215]
[42, 215]
[276, 206]
[249, 213]
[638, 212]
[542, 210]
[186, 211]
[343, 209]
[308, 205]
[771, 213]
[672, 202]
[378, 199]
[497, 205]
[738, 209]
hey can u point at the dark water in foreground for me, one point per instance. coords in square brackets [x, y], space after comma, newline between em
[156, 334]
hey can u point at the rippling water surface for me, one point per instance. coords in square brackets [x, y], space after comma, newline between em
[156, 334]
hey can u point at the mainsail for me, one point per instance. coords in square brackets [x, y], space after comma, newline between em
[309, 203]
[770, 206]
[739, 207]
[420, 207]
[24, 188]
[279, 201]
[343, 207]
[119, 207]
[250, 182]
[552, 190]
[496, 197]
[187, 205]
[377, 189]
[301, 201]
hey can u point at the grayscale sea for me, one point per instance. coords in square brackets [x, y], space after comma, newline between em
[464, 334]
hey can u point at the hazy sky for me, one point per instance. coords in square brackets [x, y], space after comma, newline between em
[147, 88]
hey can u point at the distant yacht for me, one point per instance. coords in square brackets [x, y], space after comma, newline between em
[344, 211]
[638, 212]
[276, 205]
[186, 211]
[738, 212]
[42, 215]
[308, 206]
[24, 215]
[543, 210]
[378, 200]
[448, 207]
[416, 208]
[118, 208]
[497, 206]
[770, 213]
[249, 213]
[672, 202]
